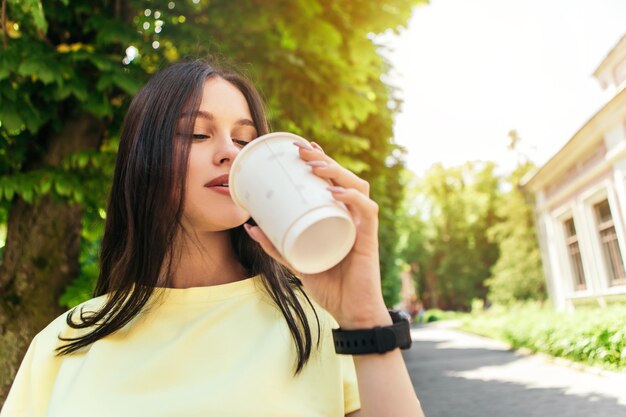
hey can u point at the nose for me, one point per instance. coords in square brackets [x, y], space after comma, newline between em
[225, 151]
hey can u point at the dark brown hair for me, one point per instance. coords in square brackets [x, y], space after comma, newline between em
[146, 206]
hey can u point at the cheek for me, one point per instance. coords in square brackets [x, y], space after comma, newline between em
[193, 166]
[197, 171]
[194, 190]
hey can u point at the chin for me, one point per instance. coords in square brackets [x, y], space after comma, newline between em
[234, 222]
[220, 217]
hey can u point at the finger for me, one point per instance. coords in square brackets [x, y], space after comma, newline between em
[361, 206]
[318, 147]
[309, 152]
[340, 176]
[322, 164]
[261, 238]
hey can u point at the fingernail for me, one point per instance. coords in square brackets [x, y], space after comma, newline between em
[336, 189]
[318, 147]
[304, 145]
[317, 164]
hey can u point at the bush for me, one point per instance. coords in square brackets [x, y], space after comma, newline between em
[438, 315]
[592, 336]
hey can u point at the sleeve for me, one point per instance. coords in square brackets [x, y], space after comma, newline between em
[35, 380]
[32, 387]
[351, 399]
[24, 399]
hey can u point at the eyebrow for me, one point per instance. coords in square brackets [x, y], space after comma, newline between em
[209, 116]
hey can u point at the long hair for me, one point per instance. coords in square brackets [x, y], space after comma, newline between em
[146, 206]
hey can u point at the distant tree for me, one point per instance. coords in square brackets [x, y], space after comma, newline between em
[464, 237]
[448, 246]
[413, 231]
[518, 274]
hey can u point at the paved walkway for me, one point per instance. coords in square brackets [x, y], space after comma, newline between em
[460, 375]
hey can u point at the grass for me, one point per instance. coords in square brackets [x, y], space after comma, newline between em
[592, 336]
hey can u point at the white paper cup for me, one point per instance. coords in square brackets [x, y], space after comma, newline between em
[268, 179]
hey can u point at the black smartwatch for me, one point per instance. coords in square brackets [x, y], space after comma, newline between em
[375, 340]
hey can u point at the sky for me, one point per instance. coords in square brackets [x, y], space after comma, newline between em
[468, 72]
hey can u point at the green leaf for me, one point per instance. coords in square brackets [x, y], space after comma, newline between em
[78, 196]
[32, 117]
[40, 70]
[111, 31]
[105, 81]
[101, 62]
[62, 92]
[9, 192]
[8, 63]
[27, 195]
[62, 187]
[9, 117]
[98, 105]
[38, 15]
[75, 87]
[44, 185]
[83, 160]
[126, 82]
[8, 93]
[34, 8]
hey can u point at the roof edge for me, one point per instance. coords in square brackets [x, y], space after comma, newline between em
[530, 179]
[608, 56]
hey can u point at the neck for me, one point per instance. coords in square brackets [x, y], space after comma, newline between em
[205, 259]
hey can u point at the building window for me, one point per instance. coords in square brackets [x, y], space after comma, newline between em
[575, 259]
[610, 248]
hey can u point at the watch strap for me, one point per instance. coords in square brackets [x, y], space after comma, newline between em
[378, 339]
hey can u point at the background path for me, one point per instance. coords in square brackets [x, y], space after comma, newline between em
[460, 375]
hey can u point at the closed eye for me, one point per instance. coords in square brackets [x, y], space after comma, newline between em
[240, 142]
[200, 136]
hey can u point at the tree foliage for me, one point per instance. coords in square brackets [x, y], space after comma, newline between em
[414, 231]
[468, 234]
[315, 62]
[518, 274]
[448, 247]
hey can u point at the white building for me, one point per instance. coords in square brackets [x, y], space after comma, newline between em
[581, 201]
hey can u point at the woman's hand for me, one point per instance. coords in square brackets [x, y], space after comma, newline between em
[351, 290]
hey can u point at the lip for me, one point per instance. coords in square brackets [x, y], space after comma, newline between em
[220, 190]
[217, 181]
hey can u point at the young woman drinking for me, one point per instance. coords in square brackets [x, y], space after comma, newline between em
[195, 312]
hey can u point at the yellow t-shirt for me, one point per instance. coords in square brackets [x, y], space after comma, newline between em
[222, 350]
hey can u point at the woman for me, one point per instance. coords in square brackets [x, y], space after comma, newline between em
[196, 313]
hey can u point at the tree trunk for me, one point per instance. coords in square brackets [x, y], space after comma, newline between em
[41, 255]
[432, 299]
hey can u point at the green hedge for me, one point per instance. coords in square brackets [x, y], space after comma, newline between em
[592, 336]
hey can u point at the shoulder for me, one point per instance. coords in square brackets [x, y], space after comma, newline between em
[49, 336]
[34, 382]
[41, 359]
